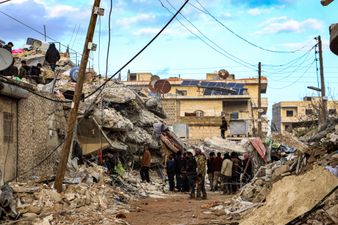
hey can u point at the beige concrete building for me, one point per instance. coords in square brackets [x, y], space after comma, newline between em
[31, 128]
[289, 115]
[197, 106]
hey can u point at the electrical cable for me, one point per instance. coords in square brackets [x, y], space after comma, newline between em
[37, 31]
[99, 52]
[206, 37]
[296, 81]
[291, 62]
[239, 36]
[289, 74]
[138, 53]
[9, 81]
[109, 37]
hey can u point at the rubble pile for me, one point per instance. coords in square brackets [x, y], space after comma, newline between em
[89, 197]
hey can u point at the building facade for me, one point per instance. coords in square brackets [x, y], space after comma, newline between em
[197, 106]
[31, 129]
[288, 116]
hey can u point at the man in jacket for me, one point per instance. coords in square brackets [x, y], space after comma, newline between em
[201, 172]
[191, 172]
[223, 127]
[171, 171]
[52, 56]
[210, 169]
[145, 164]
[227, 174]
[9, 47]
[217, 170]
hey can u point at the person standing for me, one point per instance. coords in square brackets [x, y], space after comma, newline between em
[217, 170]
[201, 172]
[24, 70]
[184, 178]
[223, 127]
[236, 171]
[9, 47]
[226, 174]
[52, 56]
[171, 171]
[145, 164]
[210, 169]
[178, 168]
[191, 172]
[247, 169]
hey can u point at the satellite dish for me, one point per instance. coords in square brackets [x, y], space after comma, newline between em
[6, 59]
[334, 38]
[74, 72]
[152, 82]
[224, 74]
[162, 86]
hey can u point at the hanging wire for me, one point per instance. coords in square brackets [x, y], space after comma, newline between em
[205, 11]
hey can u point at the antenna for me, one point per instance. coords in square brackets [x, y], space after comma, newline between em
[6, 59]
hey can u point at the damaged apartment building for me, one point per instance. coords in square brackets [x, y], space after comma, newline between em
[33, 117]
[195, 107]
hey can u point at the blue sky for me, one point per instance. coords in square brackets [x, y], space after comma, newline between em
[282, 25]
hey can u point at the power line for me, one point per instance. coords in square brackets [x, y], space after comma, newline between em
[109, 33]
[37, 31]
[296, 81]
[205, 11]
[138, 53]
[224, 53]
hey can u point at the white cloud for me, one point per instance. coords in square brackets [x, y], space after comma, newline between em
[151, 31]
[61, 10]
[135, 19]
[286, 25]
[260, 11]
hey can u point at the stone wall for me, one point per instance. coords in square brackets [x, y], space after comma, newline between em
[8, 150]
[41, 129]
[170, 108]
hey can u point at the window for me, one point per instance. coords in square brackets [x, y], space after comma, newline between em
[234, 116]
[199, 113]
[8, 127]
[181, 92]
[289, 113]
[308, 111]
[132, 76]
[332, 111]
[287, 128]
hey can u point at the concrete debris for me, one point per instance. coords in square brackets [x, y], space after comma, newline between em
[118, 94]
[111, 119]
[105, 199]
[224, 145]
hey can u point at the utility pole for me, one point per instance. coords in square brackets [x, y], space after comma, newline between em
[259, 99]
[76, 99]
[323, 117]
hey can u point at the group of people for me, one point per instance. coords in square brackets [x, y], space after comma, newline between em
[31, 72]
[188, 171]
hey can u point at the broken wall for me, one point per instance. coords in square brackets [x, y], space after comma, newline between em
[41, 126]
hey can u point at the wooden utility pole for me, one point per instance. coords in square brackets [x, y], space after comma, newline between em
[76, 100]
[259, 99]
[323, 117]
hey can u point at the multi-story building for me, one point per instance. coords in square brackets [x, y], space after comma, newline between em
[195, 107]
[288, 115]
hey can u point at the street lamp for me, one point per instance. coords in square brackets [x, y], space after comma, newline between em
[314, 88]
[326, 2]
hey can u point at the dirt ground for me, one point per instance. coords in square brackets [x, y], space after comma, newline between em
[177, 209]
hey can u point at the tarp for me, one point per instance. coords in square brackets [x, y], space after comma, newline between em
[259, 147]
